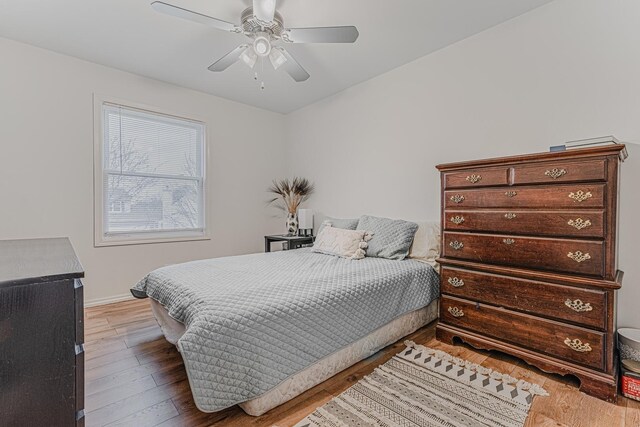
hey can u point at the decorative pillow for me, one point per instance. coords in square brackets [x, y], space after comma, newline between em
[344, 243]
[346, 224]
[392, 238]
[426, 244]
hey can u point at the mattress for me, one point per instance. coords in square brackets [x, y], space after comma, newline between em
[254, 321]
[323, 369]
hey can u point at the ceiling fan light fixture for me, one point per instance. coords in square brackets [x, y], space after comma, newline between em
[277, 58]
[263, 25]
[262, 45]
[249, 57]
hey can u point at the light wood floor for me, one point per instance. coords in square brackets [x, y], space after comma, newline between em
[134, 377]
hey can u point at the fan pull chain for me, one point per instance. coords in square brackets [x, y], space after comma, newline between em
[255, 76]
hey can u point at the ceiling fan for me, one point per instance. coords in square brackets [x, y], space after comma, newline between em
[264, 26]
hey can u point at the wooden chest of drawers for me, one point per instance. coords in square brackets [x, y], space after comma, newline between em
[529, 260]
[41, 334]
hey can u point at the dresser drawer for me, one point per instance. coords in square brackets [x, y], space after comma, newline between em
[577, 305]
[565, 255]
[571, 343]
[562, 171]
[79, 310]
[481, 177]
[549, 197]
[80, 366]
[546, 223]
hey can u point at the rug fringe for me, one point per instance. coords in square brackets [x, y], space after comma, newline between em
[532, 388]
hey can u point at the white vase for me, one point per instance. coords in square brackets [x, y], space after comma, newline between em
[292, 224]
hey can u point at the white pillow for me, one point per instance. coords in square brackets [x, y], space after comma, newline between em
[344, 243]
[426, 243]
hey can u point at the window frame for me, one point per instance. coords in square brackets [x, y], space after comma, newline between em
[101, 238]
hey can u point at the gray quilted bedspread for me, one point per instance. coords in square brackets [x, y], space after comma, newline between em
[254, 320]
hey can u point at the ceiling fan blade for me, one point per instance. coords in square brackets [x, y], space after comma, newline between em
[264, 10]
[190, 15]
[229, 59]
[321, 35]
[292, 67]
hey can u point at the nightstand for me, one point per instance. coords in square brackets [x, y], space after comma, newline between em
[292, 242]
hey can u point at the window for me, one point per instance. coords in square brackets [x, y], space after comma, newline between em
[150, 182]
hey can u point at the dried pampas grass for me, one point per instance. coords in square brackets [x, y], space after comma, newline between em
[290, 193]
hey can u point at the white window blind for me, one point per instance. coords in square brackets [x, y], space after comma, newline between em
[153, 174]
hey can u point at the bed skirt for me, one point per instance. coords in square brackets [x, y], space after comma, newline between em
[322, 369]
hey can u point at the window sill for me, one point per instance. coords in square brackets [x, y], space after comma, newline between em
[137, 239]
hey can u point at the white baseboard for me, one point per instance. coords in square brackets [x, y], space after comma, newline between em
[108, 300]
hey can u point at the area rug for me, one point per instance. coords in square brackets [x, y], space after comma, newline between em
[421, 386]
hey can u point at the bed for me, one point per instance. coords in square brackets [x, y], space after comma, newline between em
[257, 330]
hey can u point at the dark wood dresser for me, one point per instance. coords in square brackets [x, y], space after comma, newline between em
[529, 260]
[41, 334]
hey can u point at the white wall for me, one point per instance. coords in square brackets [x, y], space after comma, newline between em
[567, 70]
[564, 71]
[46, 163]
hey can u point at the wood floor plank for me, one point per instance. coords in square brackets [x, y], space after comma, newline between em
[525, 372]
[632, 414]
[126, 316]
[100, 348]
[192, 419]
[561, 403]
[183, 401]
[170, 374]
[165, 362]
[102, 311]
[151, 346]
[145, 336]
[123, 319]
[123, 377]
[598, 413]
[538, 420]
[162, 353]
[104, 333]
[149, 417]
[106, 397]
[111, 368]
[129, 327]
[97, 324]
[126, 407]
[106, 358]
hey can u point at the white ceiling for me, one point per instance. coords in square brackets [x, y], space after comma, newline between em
[129, 35]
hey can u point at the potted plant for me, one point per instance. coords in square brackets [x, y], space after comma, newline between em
[289, 194]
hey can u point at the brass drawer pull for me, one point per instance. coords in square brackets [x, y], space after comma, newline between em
[578, 305]
[457, 312]
[578, 256]
[510, 215]
[511, 193]
[508, 241]
[555, 173]
[456, 245]
[458, 219]
[455, 282]
[579, 223]
[457, 198]
[580, 196]
[577, 345]
[473, 178]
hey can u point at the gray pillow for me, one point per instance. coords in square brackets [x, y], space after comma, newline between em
[345, 224]
[392, 238]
